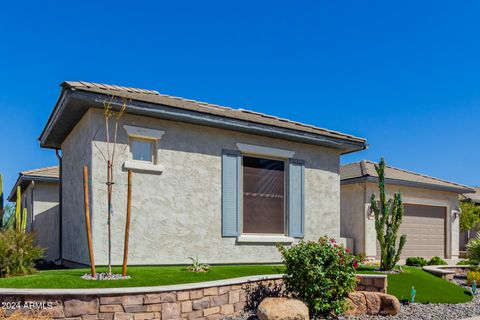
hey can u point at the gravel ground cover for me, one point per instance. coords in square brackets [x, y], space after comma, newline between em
[433, 311]
[419, 311]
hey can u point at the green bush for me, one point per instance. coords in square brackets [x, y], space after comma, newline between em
[321, 274]
[18, 253]
[473, 275]
[437, 261]
[473, 250]
[416, 262]
[464, 262]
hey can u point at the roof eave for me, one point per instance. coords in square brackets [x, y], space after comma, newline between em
[26, 179]
[95, 100]
[406, 183]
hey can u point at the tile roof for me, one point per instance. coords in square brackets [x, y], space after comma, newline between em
[365, 168]
[152, 96]
[47, 172]
[473, 197]
[51, 174]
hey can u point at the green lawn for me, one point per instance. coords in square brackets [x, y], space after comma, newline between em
[141, 276]
[429, 287]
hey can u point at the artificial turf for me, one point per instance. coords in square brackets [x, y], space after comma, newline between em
[140, 276]
[429, 288]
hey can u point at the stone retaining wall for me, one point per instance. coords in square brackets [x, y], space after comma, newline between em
[372, 282]
[209, 300]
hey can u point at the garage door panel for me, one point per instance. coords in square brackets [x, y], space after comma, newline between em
[425, 230]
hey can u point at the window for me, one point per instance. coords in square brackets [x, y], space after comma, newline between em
[263, 196]
[144, 146]
[142, 150]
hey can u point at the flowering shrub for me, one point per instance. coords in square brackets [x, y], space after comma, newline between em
[321, 274]
[473, 275]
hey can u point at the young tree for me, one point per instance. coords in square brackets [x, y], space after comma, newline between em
[469, 216]
[115, 114]
[388, 218]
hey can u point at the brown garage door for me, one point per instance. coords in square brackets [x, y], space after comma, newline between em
[425, 230]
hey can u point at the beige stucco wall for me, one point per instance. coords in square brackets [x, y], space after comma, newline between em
[411, 195]
[46, 218]
[76, 152]
[177, 214]
[352, 220]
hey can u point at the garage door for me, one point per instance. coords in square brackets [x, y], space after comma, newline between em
[425, 230]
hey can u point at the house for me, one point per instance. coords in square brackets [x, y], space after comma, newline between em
[431, 216]
[40, 196]
[221, 184]
[466, 236]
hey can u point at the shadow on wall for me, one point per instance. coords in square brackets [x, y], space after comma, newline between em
[46, 231]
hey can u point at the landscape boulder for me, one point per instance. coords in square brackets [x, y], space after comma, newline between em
[282, 309]
[371, 303]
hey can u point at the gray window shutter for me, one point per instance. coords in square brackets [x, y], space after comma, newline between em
[296, 198]
[231, 162]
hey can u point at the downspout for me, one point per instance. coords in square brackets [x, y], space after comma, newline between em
[33, 207]
[60, 208]
[365, 217]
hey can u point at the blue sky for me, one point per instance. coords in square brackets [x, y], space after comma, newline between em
[404, 75]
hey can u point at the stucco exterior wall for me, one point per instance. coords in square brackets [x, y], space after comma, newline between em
[46, 218]
[76, 152]
[352, 207]
[410, 195]
[177, 214]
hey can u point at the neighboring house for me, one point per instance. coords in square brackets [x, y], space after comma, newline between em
[431, 217]
[40, 194]
[219, 183]
[466, 236]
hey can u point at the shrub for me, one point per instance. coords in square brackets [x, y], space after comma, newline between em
[196, 266]
[18, 253]
[416, 262]
[473, 275]
[321, 274]
[437, 261]
[473, 250]
[464, 262]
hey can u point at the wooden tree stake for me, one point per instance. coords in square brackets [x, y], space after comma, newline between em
[87, 220]
[127, 224]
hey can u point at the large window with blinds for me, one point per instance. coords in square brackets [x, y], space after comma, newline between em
[263, 196]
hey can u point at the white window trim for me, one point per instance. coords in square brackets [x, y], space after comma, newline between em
[153, 135]
[265, 151]
[143, 166]
[143, 133]
[247, 238]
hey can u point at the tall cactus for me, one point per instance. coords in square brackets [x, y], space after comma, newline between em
[1, 202]
[17, 209]
[388, 218]
[24, 220]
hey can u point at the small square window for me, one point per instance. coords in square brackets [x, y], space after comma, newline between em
[142, 150]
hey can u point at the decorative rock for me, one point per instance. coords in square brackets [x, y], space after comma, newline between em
[372, 303]
[282, 309]
[390, 305]
[357, 304]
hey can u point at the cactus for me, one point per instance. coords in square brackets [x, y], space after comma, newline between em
[1, 202]
[17, 209]
[388, 218]
[24, 220]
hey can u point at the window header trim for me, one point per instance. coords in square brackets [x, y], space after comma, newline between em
[145, 133]
[265, 151]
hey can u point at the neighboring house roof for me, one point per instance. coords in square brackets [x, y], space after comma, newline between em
[48, 174]
[473, 197]
[79, 96]
[365, 171]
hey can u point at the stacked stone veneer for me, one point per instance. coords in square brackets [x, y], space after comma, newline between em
[374, 283]
[208, 302]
